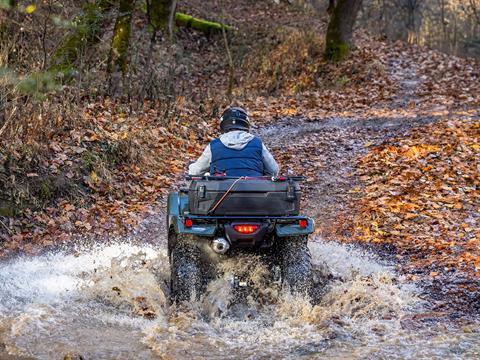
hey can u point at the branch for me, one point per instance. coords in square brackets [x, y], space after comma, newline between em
[199, 24]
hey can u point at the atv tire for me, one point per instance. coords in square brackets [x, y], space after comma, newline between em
[185, 271]
[296, 264]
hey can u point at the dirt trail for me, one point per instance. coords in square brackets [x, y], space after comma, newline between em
[404, 72]
[334, 144]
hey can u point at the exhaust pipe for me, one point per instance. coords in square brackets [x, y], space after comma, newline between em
[220, 245]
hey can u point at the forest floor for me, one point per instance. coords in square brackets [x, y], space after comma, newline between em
[389, 142]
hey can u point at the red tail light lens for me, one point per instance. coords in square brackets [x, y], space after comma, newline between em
[245, 228]
[303, 223]
[188, 223]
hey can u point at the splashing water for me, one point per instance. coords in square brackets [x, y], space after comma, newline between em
[110, 302]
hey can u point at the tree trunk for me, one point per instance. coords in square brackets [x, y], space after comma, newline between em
[412, 7]
[159, 12]
[384, 18]
[411, 26]
[455, 35]
[445, 41]
[86, 33]
[339, 32]
[121, 38]
[171, 19]
[331, 7]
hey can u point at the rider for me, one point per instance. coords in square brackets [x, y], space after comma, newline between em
[236, 152]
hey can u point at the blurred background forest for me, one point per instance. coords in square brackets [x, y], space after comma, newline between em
[129, 47]
[447, 25]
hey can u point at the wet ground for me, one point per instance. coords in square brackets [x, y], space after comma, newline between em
[109, 301]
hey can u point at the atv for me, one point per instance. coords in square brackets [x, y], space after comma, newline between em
[219, 217]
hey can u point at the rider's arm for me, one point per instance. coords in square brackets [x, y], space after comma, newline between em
[269, 163]
[202, 165]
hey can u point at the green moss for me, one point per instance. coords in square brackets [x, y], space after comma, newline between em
[121, 36]
[199, 24]
[7, 210]
[46, 192]
[86, 31]
[89, 159]
[343, 80]
[107, 156]
[336, 51]
[111, 153]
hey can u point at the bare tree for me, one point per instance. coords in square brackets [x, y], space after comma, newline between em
[121, 37]
[411, 7]
[444, 23]
[340, 27]
[474, 6]
[159, 13]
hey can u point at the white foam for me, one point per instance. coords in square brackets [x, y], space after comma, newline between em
[46, 278]
[343, 260]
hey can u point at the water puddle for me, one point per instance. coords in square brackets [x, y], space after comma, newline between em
[111, 302]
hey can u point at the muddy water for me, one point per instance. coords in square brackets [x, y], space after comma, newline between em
[110, 302]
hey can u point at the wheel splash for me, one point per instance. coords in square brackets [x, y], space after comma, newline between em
[111, 301]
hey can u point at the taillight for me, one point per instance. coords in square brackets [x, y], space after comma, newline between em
[245, 228]
[303, 223]
[188, 223]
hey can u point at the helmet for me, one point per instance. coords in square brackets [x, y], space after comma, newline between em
[234, 118]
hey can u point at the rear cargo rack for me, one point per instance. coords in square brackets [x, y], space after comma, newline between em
[240, 196]
[243, 217]
[279, 178]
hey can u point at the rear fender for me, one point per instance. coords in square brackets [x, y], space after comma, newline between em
[196, 229]
[294, 229]
[177, 206]
[173, 210]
